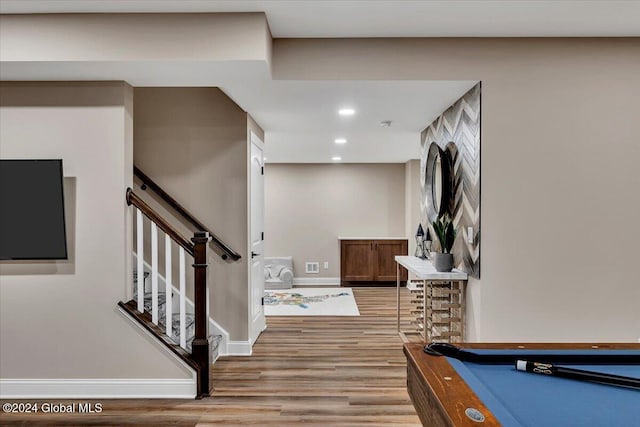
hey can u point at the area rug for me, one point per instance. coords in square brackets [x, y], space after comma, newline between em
[310, 302]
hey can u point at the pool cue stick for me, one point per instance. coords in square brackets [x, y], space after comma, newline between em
[577, 374]
[592, 357]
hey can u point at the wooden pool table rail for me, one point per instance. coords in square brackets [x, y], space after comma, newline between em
[441, 396]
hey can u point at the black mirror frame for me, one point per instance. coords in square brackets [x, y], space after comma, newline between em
[445, 167]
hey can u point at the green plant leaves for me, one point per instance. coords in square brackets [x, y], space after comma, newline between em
[450, 238]
[445, 232]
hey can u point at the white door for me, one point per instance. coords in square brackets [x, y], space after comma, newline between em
[256, 233]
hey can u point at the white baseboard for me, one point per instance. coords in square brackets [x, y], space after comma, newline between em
[274, 286]
[316, 281]
[97, 388]
[228, 347]
[239, 348]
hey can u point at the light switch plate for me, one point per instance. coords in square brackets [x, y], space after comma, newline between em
[469, 234]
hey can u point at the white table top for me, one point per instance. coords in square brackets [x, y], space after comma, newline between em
[424, 269]
[372, 238]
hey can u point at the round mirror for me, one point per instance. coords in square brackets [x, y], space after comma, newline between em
[436, 189]
[437, 182]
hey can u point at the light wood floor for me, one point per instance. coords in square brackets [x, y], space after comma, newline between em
[312, 371]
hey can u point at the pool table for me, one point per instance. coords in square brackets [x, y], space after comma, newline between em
[448, 392]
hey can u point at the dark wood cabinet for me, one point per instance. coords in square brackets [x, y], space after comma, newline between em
[356, 260]
[365, 261]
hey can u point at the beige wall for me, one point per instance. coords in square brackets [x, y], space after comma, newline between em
[412, 198]
[308, 206]
[136, 37]
[193, 143]
[553, 267]
[60, 319]
[253, 126]
[560, 150]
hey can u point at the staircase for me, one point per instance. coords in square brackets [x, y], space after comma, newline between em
[181, 325]
[146, 311]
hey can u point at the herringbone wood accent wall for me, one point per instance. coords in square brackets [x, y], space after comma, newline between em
[459, 124]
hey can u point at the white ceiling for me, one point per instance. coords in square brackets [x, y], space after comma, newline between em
[300, 117]
[302, 121]
[391, 18]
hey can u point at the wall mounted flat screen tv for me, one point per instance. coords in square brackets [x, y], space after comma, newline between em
[32, 210]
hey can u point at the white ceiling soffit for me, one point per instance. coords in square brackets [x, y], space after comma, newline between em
[393, 18]
[300, 117]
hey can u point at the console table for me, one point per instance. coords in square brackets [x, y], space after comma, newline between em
[438, 300]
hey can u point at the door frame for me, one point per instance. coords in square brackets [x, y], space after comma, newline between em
[253, 330]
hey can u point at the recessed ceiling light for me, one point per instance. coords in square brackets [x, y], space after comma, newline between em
[340, 141]
[346, 111]
[336, 158]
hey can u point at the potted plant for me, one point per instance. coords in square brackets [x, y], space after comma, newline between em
[443, 260]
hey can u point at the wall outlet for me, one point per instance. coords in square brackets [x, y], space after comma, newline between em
[312, 267]
[326, 265]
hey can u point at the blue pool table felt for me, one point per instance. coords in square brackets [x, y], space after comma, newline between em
[532, 400]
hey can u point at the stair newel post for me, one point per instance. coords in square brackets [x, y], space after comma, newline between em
[200, 347]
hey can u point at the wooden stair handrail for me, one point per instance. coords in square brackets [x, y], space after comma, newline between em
[148, 182]
[135, 200]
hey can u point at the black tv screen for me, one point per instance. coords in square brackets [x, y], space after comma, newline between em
[32, 210]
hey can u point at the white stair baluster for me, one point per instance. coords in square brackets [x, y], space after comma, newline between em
[140, 259]
[168, 307]
[154, 273]
[183, 305]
